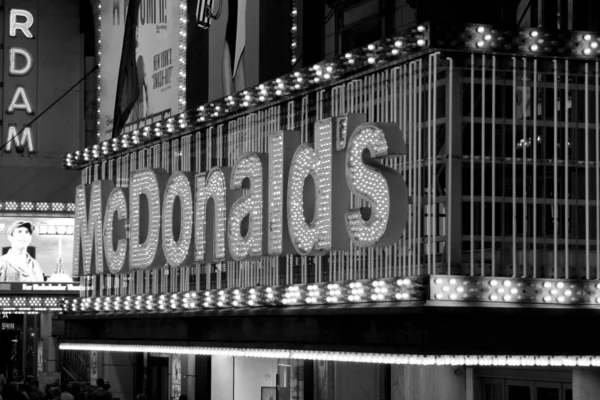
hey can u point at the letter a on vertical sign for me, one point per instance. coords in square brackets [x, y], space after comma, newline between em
[383, 188]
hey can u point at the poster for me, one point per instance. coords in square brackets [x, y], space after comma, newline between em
[175, 376]
[157, 60]
[93, 367]
[36, 249]
[233, 47]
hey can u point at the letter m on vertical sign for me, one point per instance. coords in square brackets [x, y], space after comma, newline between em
[18, 140]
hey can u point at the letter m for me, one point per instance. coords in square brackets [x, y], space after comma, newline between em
[19, 142]
[88, 250]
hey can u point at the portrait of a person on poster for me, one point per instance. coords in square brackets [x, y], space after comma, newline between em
[17, 265]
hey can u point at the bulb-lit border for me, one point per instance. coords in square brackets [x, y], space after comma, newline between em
[326, 72]
[515, 290]
[385, 52]
[181, 96]
[325, 293]
[437, 288]
[19, 304]
[339, 356]
[98, 75]
[293, 33]
[36, 207]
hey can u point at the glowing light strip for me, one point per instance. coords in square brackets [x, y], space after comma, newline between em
[294, 33]
[340, 356]
[515, 290]
[385, 50]
[182, 55]
[31, 206]
[99, 52]
[530, 41]
[21, 303]
[349, 292]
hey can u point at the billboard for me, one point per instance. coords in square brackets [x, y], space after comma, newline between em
[233, 47]
[157, 61]
[33, 251]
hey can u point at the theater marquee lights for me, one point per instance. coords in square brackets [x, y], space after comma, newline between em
[243, 212]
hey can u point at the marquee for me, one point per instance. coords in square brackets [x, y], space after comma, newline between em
[293, 200]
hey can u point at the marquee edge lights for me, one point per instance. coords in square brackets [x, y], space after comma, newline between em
[313, 76]
[445, 289]
[515, 290]
[471, 37]
[182, 56]
[324, 293]
[341, 356]
[38, 207]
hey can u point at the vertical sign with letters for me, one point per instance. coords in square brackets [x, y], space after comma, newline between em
[20, 76]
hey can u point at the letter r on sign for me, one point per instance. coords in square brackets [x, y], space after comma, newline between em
[21, 25]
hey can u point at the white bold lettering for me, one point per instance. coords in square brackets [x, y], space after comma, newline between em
[19, 101]
[88, 249]
[382, 187]
[22, 26]
[12, 65]
[20, 143]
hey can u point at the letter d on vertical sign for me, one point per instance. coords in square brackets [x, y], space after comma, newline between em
[383, 188]
[145, 218]
[88, 249]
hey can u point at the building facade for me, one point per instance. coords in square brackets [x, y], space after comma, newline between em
[413, 218]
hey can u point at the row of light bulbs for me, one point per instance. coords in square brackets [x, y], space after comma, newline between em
[323, 293]
[549, 291]
[293, 34]
[19, 302]
[36, 206]
[355, 357]
[313, 76]
[536, 41]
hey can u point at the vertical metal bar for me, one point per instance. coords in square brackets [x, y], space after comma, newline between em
[567, 247]
[429, 164]
[587, 174]
[411, 170]
[482, 233]
[419, 132]
[472, 167]
[514, 167]
[597, 140]
[524, 172]
[449, 136]
[493, 166]
[434, 172]
[555, 174]
[534, 142]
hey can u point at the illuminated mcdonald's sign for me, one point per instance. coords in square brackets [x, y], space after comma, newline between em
[293, 200]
